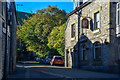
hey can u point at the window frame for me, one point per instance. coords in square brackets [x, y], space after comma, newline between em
[118, 15]
[94, 55]
[84, 49]
[73, 31]
[118, 19]
[95, 20]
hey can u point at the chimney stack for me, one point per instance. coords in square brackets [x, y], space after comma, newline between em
[74, 4]
[80, 2]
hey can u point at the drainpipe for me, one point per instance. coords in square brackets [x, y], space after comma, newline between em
[79, 26]
[5, 55]
[79, 22]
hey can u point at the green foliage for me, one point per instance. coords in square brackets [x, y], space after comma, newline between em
[35, 31]
[56, 39]
[22, 15]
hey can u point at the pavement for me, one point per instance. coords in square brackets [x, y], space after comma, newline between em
[34, 70]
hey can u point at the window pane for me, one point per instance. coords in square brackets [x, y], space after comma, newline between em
[97, 17]
[119, 17]
[58, 58]
[96, 25]
[98, 53]
[118, 5]
[73, 30]
[85, 55]
[96, 20]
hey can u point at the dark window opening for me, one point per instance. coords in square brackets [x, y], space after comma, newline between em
[84, 53]
[97, 51]
[73, 31]
[58, 58]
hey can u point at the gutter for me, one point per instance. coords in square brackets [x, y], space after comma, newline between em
[67, 23]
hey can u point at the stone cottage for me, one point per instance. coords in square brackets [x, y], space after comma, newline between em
[90, 38]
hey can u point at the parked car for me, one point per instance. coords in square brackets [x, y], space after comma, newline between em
[48, 59]
[42, 60]
[57, 60]
[37, 59]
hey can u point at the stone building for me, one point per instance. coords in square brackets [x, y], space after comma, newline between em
[95, 49]
[2, 27]
[117, 40]
[8, 27]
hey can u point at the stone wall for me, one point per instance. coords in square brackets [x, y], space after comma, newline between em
[13, 39]
[0, 48]
[107, 22]
[100, 34]
[89, 11]
[68, 41]
[71, 42]
[3, 39]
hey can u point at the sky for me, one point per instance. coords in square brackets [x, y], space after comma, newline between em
[43, 0]
[29, 6]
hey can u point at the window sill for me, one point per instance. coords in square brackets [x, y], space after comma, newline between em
[96, 31]
[72, 39]
[118, 35]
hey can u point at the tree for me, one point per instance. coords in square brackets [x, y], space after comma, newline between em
[34, 31]
[56, 39]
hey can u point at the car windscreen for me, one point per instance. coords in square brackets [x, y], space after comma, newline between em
[58, 58]
[50, 57]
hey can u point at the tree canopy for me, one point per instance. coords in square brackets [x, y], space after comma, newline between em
[56, 39]
[43, 33]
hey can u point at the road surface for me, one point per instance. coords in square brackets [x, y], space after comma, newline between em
[34, 70]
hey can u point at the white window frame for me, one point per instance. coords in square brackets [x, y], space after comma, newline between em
[117, 25]
[118, 9]
[95, 51]
[95, 20]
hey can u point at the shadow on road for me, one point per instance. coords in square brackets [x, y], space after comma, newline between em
[35, 70]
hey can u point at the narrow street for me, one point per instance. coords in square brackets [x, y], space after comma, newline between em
[35, 70]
